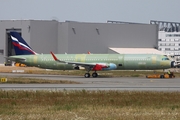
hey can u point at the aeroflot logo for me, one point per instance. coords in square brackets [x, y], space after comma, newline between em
[21, 45]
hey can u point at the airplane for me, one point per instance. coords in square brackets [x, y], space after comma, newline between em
[91, 62]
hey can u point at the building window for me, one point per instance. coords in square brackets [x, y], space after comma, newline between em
[176, 49]
[176, 40]
[1, 52]
[167, 48]
[172, 53]
[172, 49]
[162, 44]
[172, 35]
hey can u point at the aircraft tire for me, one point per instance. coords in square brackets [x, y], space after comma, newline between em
[87, 75]
[162, 76]
[94, 75]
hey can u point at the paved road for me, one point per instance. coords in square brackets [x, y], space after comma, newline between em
[118, 83]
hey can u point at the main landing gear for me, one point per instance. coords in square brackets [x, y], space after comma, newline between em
[87, 75]
[94, 74]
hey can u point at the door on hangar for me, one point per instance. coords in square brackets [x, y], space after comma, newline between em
[10, 48]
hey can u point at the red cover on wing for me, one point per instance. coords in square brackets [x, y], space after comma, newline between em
[98, 67]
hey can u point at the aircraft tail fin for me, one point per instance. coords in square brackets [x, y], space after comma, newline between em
[20, 45]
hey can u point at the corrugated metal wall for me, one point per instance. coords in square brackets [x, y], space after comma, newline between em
[97, 37]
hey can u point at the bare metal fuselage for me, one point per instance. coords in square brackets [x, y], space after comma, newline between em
[122, 61]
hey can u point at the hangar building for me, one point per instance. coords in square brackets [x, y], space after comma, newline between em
[77, 37]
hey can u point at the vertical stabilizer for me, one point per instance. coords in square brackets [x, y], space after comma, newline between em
[20, 45]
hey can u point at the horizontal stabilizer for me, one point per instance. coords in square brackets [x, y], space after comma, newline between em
[15, 58]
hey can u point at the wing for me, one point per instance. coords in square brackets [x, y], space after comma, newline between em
[73, 63]
[92, 66]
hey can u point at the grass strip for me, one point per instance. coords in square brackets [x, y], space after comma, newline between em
[22, 80]
[84, 104]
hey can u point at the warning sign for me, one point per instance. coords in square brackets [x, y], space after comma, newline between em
[3, 79]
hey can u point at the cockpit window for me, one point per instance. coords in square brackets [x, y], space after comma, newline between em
[165, 58]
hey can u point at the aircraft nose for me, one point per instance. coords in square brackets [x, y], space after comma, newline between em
[172, 64]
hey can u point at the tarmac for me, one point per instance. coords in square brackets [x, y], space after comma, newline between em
[105, 83]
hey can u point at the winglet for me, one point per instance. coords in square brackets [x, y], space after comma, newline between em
[55, 58]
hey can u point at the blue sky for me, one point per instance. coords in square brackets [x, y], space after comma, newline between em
[141, 11]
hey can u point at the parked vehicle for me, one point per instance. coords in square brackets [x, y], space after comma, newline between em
[165, 75]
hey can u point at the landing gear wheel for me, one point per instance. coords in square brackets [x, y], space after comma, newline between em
[162, 76]
[86, 75]
[94, 74]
